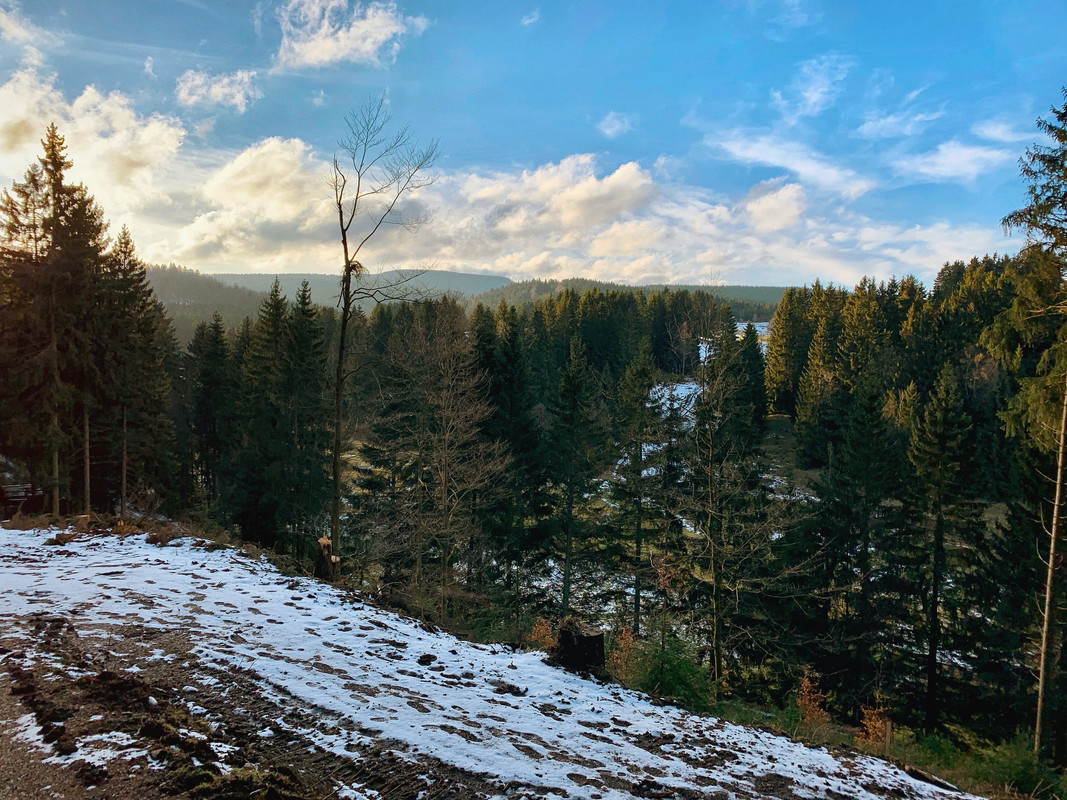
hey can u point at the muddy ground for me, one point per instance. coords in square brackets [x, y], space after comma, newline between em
[128, 713]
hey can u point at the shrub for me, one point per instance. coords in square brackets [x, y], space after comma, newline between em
[812, 702]
[624, 663]
[1014, 766]
[669, 670]
[541, 636]
[875, 728]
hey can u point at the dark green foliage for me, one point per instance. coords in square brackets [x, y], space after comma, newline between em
[83, 343]
[578, 446]
[1044, 167]
[791, 334]
[212, 396]
[669, 670]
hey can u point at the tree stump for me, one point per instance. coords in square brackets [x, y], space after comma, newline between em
[580, 647]
[327, 565]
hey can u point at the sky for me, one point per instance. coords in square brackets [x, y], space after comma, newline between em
[767, 142]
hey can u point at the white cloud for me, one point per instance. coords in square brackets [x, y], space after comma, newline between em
[900, 124]
[318, 33]
[771, 151]
[532, 17]
[150, 66]
[276, 180]
[15, 28]
[615, 124]
[815, 89]
[772, 206]
[117, 152]
[197, 88]
[263, 209]
[999, 131]
[955, 161]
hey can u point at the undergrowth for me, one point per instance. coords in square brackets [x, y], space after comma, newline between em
[662, 666]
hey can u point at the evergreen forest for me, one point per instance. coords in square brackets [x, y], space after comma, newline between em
[865, 505]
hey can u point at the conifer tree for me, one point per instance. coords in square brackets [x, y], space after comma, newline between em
[820, 399]
[263, 442]
[787, 350]
[303, 391]
[639, 417]
[578, 444]
[55, 237]
[212, 398]
[132, 341]
[938, 460]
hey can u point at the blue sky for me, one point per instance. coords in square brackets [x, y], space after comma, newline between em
[743, 141]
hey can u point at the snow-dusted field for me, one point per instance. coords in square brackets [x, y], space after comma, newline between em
[375, 678]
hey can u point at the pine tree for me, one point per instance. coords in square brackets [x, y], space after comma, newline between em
[639, 417]
[936, 453]
[787, 350]
[820, 399]
[133, 336]
[257, 496]
[212, 399]
[578, 443]
[304, 402]
[753, 391]
[54, 243]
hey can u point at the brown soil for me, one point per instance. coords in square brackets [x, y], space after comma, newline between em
[185, 730]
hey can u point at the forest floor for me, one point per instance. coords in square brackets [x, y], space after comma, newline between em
[131, 671]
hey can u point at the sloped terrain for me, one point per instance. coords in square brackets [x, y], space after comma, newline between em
[202, 672]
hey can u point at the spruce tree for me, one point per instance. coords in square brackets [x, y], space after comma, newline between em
[936, 453]
[787, 350]
[263, 441]
[639, 417]
[304, 402]
[578, 446]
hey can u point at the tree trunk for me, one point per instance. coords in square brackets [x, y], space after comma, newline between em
[125, 466]
[567, 552]
[54, 367]
[638, 535]
[85, 457]
[933, 624]
[1046, 625]
[55, 481]
[716, 577]
[338, 412]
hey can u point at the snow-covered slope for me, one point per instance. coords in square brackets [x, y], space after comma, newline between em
[369, 678]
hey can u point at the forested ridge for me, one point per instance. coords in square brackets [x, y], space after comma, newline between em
[861, 513]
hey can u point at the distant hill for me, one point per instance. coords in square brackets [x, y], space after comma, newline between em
[749, 303]
[420, 283]
[191, 297]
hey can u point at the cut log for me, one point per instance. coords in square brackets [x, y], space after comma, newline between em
[580, 647]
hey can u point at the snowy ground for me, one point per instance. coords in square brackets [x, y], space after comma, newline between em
[346, 680]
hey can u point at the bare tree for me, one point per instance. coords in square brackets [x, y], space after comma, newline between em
[376, 167]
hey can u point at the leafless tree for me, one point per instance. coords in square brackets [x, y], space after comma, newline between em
[376, 167]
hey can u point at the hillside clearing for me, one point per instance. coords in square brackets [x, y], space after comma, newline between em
[196, 668]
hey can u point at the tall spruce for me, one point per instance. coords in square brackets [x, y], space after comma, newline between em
[936, 453]
[577, 442]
